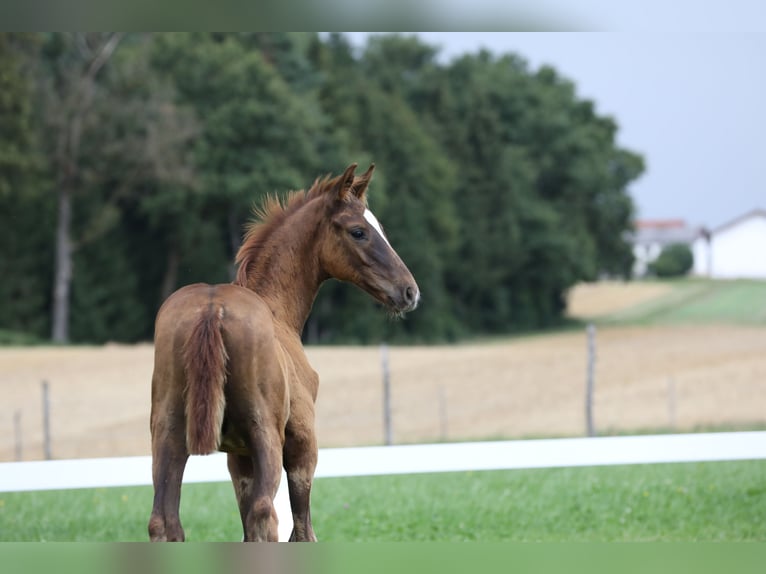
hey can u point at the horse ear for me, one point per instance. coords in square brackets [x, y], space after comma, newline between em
[361, 183]
[345, 182]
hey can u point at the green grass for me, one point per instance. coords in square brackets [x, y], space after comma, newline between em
[700, 301]
[723, 501]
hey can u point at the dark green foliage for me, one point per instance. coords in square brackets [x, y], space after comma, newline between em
[26, 212]
[26, 237]
[17, 162]
[498, 186]
[674, 261]
[105, 304]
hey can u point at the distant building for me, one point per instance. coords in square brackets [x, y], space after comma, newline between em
[652, 235]
[734, 250]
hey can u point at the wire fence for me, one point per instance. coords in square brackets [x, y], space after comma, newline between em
[96, 402]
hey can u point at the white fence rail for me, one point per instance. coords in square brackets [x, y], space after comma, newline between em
[404, 459]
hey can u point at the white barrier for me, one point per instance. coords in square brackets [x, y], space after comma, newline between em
[404, 459]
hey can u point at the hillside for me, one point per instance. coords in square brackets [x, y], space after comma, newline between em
[687, 301]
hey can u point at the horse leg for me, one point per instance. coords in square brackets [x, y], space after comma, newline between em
[169, 456]
[256, 480]
[241, 471]
[300, 456]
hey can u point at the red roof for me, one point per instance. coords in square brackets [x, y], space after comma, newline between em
[660, 223]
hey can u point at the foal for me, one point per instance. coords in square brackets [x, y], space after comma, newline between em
[230, 372]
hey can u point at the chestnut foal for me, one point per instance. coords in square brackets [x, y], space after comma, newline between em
[230, 372]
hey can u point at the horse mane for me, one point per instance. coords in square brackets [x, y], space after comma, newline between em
[268, 216]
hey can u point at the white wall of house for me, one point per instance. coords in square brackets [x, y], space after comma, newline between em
[736, 251]
[701, 253]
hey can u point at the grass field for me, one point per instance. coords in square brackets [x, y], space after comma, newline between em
[724, 501]
[685, 301]
[708, 338]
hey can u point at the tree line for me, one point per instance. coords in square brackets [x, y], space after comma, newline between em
[129, 165]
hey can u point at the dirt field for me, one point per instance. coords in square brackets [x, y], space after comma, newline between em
[591, 300]
[523, 387]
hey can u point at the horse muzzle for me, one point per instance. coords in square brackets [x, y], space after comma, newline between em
[404, 299]
[411, 298]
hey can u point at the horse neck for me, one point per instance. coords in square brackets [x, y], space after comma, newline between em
[286, 273]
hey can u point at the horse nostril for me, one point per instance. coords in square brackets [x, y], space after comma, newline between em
[411, 297]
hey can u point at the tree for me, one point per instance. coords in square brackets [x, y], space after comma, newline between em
[25, 219]
[675, 260]
[109, 138]
[74, 62]
[412, 195]
[258, 136]
[497, 184]
[547, 184]
[16, 161]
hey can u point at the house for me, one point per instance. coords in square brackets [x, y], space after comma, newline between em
[652, 235]
[734, 250]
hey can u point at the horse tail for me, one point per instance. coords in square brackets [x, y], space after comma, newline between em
[205, 361]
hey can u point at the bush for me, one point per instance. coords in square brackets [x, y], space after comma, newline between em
[674, 261]
[18, 338]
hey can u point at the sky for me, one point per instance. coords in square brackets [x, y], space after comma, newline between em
[693, 103]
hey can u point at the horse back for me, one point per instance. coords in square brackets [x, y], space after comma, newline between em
[245, 318]
[216, 354]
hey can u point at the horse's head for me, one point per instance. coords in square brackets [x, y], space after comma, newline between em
[355, 247]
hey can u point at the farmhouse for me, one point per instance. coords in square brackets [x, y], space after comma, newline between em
[734, 250]
[652, 235]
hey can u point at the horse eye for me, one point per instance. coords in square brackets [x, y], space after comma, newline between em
[357, 233]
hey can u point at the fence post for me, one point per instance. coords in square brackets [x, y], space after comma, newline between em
[17, 435]
[590, 429]
[46, 421]
[387, 431]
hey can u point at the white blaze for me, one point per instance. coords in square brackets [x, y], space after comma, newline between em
[373, 221]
